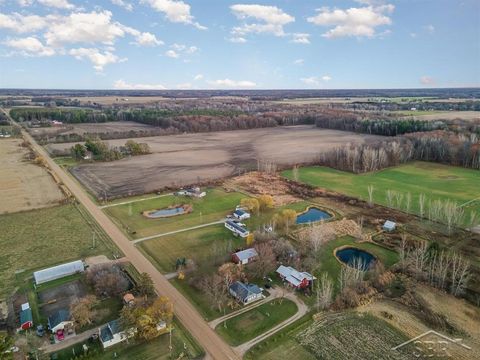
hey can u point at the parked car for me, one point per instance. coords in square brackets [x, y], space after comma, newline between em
[40, 330]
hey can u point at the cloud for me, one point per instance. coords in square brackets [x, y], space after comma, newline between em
[59, 4]
[180, 50]
[413, 35]
[300, 38]
[198, 77]
[299, 62]
[22, 23]
[184, 86]
[430, 28]
[175, 11]
[314, 80]
[232, 83]
[260, 19]
[326, 78]
[24, 3]
[427, 81]
[122, 85]
[237, 39]
[143, 38]
[358, 22]
[123, 4]
[172, 54]
[96, 57]
[29, 46]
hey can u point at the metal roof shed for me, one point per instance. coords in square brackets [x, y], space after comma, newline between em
[57, 272]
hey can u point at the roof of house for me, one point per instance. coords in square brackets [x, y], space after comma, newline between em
[108, 331]
[293, 276]
[25, 306]
[57, 318]
[246, 254]
[236, 226]
[240, 212]
[128, 297]
[244, 290]
[26, 316]
[58, 271]
[389, 224]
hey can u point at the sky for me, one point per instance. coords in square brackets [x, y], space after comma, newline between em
[222, 44]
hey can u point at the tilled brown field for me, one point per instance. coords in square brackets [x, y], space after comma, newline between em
[23, 185]
[193, 158]
[80, 129]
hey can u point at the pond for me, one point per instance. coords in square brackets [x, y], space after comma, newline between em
[312, 215]
[351, 256]
[165, 212]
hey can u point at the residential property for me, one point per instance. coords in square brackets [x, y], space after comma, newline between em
[236, 229]
[26, 318]
[61, 320]
[129, 299]
[245, 293]
[192, 192]
[112, 334]
[245, 256]
[57, 272]
[296, 279]
[389, 226]
[241, 214]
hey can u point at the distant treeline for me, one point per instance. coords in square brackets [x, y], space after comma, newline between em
[441, 147]
[360, 123]
[469, 105]
[101, 151]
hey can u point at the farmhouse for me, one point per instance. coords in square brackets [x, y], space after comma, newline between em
[241, 214]
[245, 256]
[296, 279]
[57, 272]
[389, 226]
[245, 293]
[61, 320]
[26, 318]
[112, 334]
[236, 229]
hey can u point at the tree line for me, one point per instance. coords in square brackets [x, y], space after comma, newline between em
[101, 151]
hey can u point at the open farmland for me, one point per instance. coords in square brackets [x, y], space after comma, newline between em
[91, 128]
[191, 158]
[24, 185]
[442, 115]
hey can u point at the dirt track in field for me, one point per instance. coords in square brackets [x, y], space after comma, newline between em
[23, 185]
[192, 158]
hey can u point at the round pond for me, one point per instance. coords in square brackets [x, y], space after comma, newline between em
[352, 256]
[312, 214]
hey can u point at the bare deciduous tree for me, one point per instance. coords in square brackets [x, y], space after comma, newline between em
[370, 194]
[324, 292]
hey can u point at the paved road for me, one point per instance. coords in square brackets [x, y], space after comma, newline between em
[177, 231]
[214, 346]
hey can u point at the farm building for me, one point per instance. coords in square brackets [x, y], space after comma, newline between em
[241, 214]
[26, 318]
[296, 279]
[389, 225]
[245, 256]
[57, 272]
[112, 334]
[236, 229]
[245, 293]
[192, 192]
[61, 320]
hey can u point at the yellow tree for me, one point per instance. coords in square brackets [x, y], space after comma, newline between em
[251, 204]
[265, 202]
[289, 217]
[250, 239]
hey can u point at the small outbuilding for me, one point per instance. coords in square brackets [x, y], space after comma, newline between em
[245, 256]
[59, 271]
[389, 226]
[245, 293]
[26, 317]
[129, 299]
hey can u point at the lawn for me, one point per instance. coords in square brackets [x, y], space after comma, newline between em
[436, 181]
[330, 264]
[158, 348]
[41, 238]
[257, 321]
[213, 207]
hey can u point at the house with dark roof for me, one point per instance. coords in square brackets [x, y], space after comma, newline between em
[236, 229]
[245, 256]
[296, 279]
[241, 214]
[245, 293]
[61, 320]
[112, 334]
[26, 318]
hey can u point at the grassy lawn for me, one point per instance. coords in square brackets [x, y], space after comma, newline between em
[330, 264]
[255, 322]
[212, 207]
[436, 181]
[41, 238]
[158, 348]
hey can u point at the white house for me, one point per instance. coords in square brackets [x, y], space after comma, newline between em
[241, 214]
[245, 256]
[112, 334]
[236, 229]
[61, 320]
[245, 293]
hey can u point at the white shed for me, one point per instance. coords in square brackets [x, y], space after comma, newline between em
[389, 225]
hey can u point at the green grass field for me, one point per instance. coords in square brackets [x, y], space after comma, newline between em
[40, 238]
[255, 322]
[212, 207]
[436, 181]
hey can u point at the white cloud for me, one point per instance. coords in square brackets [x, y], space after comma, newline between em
[184, 86]
[227, 83]
[326, 78]
[413, 35]
[299, 62]
[198, 77]
[29, 46]
[24, 3]
[122, 85]
[59, 4]
[237, 39]
[123, 4]
[301, 38]
[176, 11]
[358, 22]
[143, 38]
[260, 19]
[172, 54]
[314, 80]
[22, 23]
[96, 57]
[427, 81]
[184, 48]
[430, 28]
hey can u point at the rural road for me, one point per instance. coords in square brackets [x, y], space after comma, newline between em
[213, 345]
